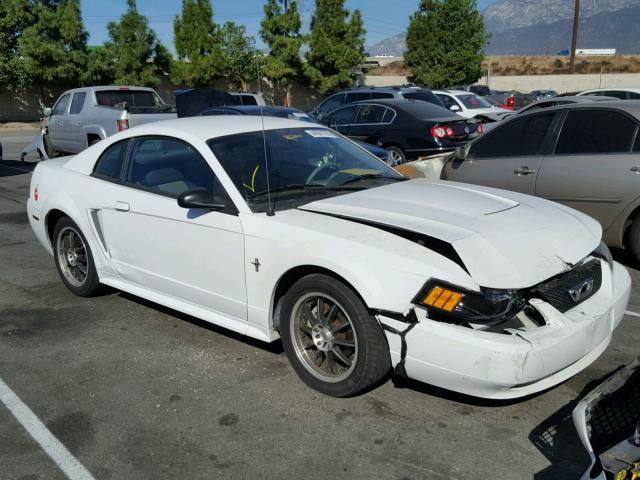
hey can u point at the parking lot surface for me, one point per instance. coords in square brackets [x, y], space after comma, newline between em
[137, 391]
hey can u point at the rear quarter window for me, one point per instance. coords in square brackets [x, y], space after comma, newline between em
[109, 165]
[595, 131]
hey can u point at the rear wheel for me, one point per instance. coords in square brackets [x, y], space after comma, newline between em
[93, 141]
[48, 147]
[74, 260]
[633, 239]
[397, 155]
[333, 343]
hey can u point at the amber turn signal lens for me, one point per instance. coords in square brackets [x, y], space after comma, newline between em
[442, 298]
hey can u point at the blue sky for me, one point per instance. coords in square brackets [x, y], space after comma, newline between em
[383, 18]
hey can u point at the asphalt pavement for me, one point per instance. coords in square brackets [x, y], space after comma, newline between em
[133, 390]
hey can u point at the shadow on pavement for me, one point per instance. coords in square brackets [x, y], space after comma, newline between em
[556, 438]
[274, 347]
[10, 168]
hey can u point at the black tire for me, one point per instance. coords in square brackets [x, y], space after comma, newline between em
[399, 155]
[90, 284]
[94, 141]
[370, 359]
[48, 148]
[633, 239]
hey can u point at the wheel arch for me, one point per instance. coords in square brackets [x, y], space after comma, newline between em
[52, 218]
[290, 277]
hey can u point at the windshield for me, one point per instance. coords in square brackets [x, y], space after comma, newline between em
[304, 164]
[473, 101]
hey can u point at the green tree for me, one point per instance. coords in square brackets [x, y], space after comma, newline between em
[197, 42]
[137, 56]
[99, 70]
[53, 48]
[280, 30]
[15, 16]
[336, 45]
[243, 61]
[445, 42]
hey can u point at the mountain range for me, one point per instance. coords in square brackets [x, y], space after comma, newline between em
[543, 27]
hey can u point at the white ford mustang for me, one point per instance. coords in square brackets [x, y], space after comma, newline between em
[357, 269]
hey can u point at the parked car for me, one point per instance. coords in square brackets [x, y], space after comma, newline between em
[608, 423]
[561, 100]
[277, 229]
[372, 93]
[512, 100]
[249, 98]
[585, 155]
[471, 105]
[482, 90]
[294, 114]
[192, 101]
[84, 116]
[621, 93]
[540, 94]
[407, 129]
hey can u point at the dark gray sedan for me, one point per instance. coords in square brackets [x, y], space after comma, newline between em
[584, 155]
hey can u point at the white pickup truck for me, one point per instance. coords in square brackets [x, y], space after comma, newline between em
[84, 116]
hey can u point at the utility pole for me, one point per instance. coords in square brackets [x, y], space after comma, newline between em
[574, 37]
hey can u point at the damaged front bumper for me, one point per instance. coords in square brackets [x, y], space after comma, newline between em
[608, 422]
[516, 362]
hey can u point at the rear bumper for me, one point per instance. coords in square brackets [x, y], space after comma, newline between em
[523, 362]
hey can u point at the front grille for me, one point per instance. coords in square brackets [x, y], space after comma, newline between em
[615, 417]
[556, 291]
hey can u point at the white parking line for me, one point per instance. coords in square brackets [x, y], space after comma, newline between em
[69, 465]
[633, 314]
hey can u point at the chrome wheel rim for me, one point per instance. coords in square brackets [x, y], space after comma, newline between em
[324, 338]
[72, 256]
[396, 158]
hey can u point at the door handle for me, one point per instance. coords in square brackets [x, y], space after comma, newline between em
[78, 124]
[524, 170]
[122, 206]
[635, 169]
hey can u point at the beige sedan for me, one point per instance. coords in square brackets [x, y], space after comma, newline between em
[586, 156]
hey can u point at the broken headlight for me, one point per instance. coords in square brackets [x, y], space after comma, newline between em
[447, 302]
[603, 252]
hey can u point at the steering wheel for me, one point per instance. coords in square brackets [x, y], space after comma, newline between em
[332, 169]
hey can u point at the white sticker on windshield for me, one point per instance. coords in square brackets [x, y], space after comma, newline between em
[321, 133]
[300, 115]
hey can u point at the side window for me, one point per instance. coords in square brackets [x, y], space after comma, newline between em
[77, 103]
[109, 165]
[616, 94]
[636, 146]
[447, 101]
[330, 104]
[357, 96]
[595, 131]
[518, 138]
[61, 106]
[370, 114]
[389, 115]
[343, 116]
[375, 95]
[167, 166]
[248, 100]
[634, 96]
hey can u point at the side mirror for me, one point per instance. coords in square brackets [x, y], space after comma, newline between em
[454, 108]
[331, 123]
[46, 112]
[198, 198]
[460, 153]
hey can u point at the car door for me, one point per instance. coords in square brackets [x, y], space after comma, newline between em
[341, 120]
[56, 129]
[509, 156]
[329, 105]
[449, 102]
[369, 125]
[593, 168]
[191, 254]
[77, 139]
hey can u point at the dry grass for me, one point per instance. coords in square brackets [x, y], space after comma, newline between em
[393, 68]
[550, 65]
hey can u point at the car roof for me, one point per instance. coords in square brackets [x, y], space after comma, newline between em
[616, 89]
[393, 88]
[630, 106]
[214, 126]
[453, 92]
[249, 109]
[124, 88]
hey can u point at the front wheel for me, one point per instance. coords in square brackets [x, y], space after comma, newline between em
[331, 340]
[74, 260]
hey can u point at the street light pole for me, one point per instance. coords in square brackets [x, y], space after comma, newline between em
[574, 37]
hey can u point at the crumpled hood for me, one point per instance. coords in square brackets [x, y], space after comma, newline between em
[505, 239]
